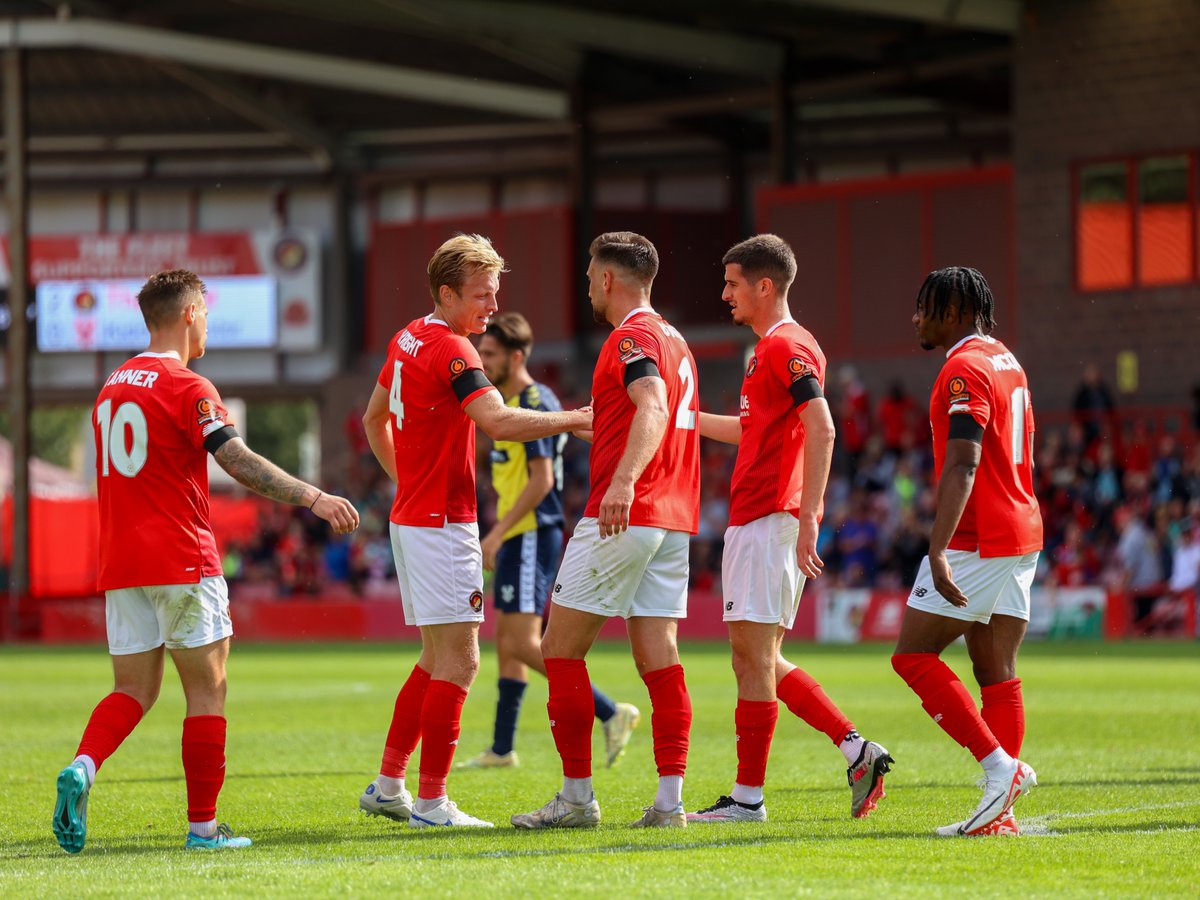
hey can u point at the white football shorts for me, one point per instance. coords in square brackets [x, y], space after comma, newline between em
[440, 571]
[639, 572]
[180, 616]
[760, 577]
[995, 586]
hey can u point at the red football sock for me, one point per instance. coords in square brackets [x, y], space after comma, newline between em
[671, 719]
[405, 731]
[947, 701]
[801, 694]
[203, 764]
[571, 708]
[440, 715]
[754, 721]
[1004, 712]
[112, 720]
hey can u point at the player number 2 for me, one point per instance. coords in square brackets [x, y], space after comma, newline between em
[395, 404]
[126, 459]
[685, 416]
[1019, 438]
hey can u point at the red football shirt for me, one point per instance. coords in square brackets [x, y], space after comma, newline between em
[667, 495]
[434, 438]
[981, 377]
[150, 422]
[769, 474]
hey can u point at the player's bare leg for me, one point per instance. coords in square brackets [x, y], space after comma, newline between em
[656, 655]
[923, 636]
[202, 674]
[569, 636]
[137, 678]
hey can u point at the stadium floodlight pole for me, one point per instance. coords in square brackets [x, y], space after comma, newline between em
[16, 196]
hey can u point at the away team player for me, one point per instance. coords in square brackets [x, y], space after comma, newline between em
[785, 436]
[628, 556]
[524, 546]
[987, 533]
[420, 422]
[155, 423]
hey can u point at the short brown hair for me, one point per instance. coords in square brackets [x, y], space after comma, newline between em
[764, 256]
[512, 330]
[460, 258]
[163, 297]
[632, 252]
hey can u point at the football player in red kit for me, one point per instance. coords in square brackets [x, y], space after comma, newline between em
[420, 422]
[987, 534]
[628, 556]
[784, 434]
[155, 423]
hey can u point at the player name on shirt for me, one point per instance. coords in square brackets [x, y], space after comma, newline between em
[1004, 362]
[409, 344]
[136, 377]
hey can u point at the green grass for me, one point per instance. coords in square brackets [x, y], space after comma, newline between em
[1113, 733]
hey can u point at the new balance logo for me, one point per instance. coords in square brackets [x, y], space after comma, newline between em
[728, 605]
[920, 591]
[938, 717]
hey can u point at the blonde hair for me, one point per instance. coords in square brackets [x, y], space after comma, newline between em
[460, 258]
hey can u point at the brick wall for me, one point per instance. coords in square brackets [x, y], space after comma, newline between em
[1098, 78]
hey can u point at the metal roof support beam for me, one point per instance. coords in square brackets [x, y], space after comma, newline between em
[289, 65]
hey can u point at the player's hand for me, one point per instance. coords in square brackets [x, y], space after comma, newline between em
[584, 434]
[614, 508]
[338, 512]
[491, 546]
[943, 580]
[806, 547]
[585, 421]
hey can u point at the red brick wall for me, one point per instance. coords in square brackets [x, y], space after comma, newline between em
[1094, 79]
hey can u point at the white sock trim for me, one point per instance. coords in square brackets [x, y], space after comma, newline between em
[577, 790]
[670, 793]
[744, 793]
[89, 766]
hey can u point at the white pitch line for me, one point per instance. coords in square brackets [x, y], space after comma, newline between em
[1094, 813]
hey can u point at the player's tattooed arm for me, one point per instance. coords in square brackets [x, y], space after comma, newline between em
[262, 476]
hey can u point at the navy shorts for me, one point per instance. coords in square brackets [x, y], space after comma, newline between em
[525, 570]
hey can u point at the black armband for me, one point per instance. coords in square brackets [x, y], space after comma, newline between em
[220, 438]
[805, 389]
[468, 383]
[640, 368]
[963, 427]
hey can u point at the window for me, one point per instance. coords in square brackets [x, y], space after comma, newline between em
[1135, 223]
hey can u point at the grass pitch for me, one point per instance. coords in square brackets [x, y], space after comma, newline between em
[1113, 733]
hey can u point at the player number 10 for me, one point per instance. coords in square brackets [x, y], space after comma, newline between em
[127, 460]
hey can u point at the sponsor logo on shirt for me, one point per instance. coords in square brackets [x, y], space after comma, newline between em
[629, 350]
[957, 390]
[206, 411]
[744, 405]
[458, 365]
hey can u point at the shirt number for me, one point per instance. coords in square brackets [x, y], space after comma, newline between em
[126, 459]
[395, 404]
[1018, 425]
[685, 416]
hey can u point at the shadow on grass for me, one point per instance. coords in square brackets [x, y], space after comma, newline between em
[893, 785]
[236, 776]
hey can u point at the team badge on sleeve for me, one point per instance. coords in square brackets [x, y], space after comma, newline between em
[956, 390]
[458, 365]
[476, 601]
[798, 368]
[629, 350]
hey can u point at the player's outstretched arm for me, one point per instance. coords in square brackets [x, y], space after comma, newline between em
[262, 476]
[649, 395]
[377, 425]
[953, 490]
[508, 423]
[726, 429]
[818, 454]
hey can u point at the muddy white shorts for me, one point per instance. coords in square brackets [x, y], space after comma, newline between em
[760, 577]
[995, 586]
[180, 616]
[639, 572]
[440, 571]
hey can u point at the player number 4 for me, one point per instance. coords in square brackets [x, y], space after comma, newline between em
[395, 404]
[685, 416]
[126, 459]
